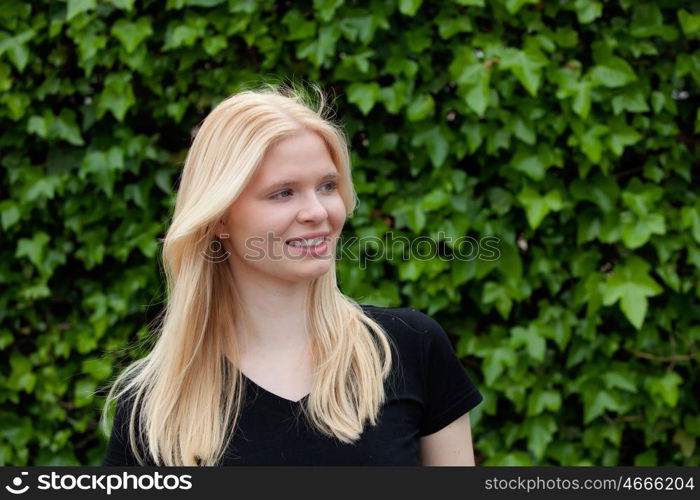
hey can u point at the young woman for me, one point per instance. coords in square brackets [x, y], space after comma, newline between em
[260, 359]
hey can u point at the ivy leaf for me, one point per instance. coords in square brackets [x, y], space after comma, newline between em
[299, 27]
[514, 6]
[596, 401]
[641, 198]
[690, 23]
[540, 432]
[117, 96]
[360, 27]
[587, 10]
[21, 377]
[630, 284]
[76, 7]
[98, 368]
[450, 24]
[612, 72]
[9, 214]
[421, 107]
[102, 167]
[416, 218]
[478, 94]
[636, 230]
[513, 459]
[591, 145]
[666, 387]
[84, 392]
[215, 44]
[322, 48]
[511, 268]
[646, 21]
[402, 65]
[690, 218]
[535, 163]
[630, 99]
[126, 5]
[436, 141]
[522, 129]
[569, 85]
[600, 189]
[529, 337]
[409, 7]
[670, 276]
[65, 127]
[581, 103]
[204, 3]
[472, 78]
[325, 9]
[33, 248]
[162, 179]
[394, 97]
[16, 48]
[541, 400]
[132, 34]
[410, 270]
[621, 380]
[496, 361]
[435, 199]
[566, 36]
[536, 206]
[183, 35]
[138, 193]
[496, 293]
[364, 95]
[525, 65]
[685, 441]
[621, 136]
[41, 187]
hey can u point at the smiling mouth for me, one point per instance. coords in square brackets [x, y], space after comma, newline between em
[308, 243]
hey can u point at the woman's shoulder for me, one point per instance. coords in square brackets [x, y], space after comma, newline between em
[433, 372]
[406, 320]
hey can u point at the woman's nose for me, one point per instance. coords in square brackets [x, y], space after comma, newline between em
[312, 209]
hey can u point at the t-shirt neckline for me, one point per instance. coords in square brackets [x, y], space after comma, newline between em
[272, 394]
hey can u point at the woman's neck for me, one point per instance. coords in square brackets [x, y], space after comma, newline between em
[271, 317]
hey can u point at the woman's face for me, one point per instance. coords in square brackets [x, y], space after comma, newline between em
[293, 195]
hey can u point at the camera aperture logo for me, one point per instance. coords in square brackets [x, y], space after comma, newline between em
[17, 488]
[105, 482]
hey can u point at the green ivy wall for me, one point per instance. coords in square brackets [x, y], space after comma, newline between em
[568, 131]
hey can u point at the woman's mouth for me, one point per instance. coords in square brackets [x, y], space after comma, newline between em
[314, 246]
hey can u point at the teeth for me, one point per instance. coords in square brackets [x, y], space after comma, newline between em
[307, 243]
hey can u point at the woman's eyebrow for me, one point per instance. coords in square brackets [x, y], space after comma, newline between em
[328, 176]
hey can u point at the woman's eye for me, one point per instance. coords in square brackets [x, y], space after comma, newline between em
[278, 197]
[328, 186]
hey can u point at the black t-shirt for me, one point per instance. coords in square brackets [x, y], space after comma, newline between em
[427, 389]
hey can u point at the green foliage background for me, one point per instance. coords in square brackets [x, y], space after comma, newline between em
[568, 130]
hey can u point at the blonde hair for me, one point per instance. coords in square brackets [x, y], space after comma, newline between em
[186, 394]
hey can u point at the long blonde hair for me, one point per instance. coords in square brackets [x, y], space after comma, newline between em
[186, 395]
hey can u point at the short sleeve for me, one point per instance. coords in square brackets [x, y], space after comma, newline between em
[449, 393]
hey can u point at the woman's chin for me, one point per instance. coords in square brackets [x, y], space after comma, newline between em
[311, 272]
